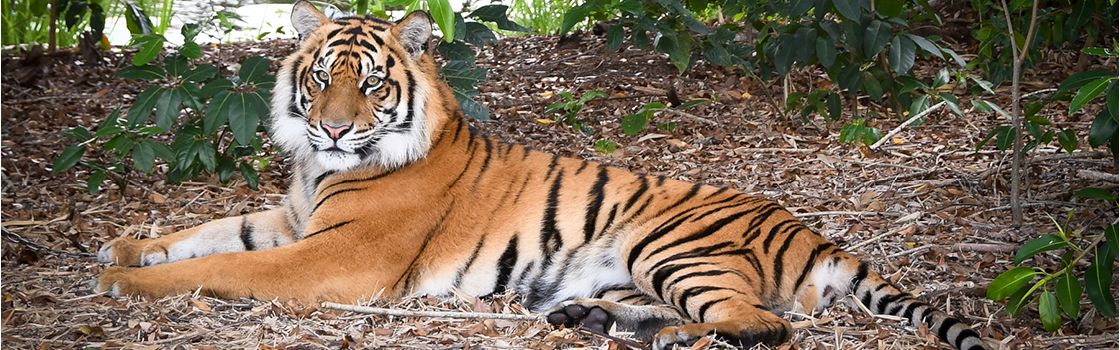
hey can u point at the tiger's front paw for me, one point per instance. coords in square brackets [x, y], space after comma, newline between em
[128, 251]
[115, 280]
[589, 317]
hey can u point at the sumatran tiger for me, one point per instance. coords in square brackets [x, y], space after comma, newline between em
[394, 195]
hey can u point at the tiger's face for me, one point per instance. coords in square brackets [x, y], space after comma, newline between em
[354, 95]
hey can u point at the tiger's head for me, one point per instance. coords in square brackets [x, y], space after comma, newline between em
[355, 92]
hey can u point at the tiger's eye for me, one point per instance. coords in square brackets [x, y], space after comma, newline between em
[373, 81]
[322, 75]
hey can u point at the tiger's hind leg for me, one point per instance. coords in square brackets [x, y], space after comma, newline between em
[735, 321]
[630, 309]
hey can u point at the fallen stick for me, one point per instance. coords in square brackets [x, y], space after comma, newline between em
[773, 150]
[1097, 175]
[904, 124]
[434, 314]
[688, 115]
[983, 247]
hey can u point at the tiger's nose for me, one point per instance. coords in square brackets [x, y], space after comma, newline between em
[334, 131]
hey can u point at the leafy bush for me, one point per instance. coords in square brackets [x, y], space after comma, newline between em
[28, 21]
[866, 52]
[571, 107]
[1061, 291]
[214, 123]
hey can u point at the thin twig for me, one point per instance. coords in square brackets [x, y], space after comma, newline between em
[904, 124]
[851, 213]
[187, 337]
[773, 150]
[1063, 156]
[876, 238]
[435, 314]
[626, 342]
[984, 247]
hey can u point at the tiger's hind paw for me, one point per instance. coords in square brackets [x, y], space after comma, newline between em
[592, 318]
[128, 251]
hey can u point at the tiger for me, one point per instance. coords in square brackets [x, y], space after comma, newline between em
[393, 194]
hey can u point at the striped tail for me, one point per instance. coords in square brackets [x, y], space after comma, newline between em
[884, 298]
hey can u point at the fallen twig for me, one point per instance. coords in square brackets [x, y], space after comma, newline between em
[851, 213]
[904, 124]
[984, 247]
[626, 342]
[1097, 175]
[773, 150]
[876, 238]
[1063, 155]
[436, 314]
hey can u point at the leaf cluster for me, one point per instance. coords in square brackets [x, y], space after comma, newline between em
[1062, 291]
[214, 122]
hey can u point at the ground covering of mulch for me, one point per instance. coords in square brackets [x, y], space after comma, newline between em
[927, 209]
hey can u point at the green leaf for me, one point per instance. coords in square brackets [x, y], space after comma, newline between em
[471, 107]
[1077, 80]
[176, 64]
[873, 87]
[875, 37]
[826, 51]
[212, 88]
[1068, 139]
[695, 25]
[1069, 292]
[207, 155]
[456, 51]
[250, 175]
[144, 156]
[191, 50]
[1048, 311]
[142, 72]
[167, 109]
[189, 31]
[95, 180]
[834, 106]
[1018, 301]
[1009, 282]
[1112, 237]
[243, 118]
[1038, 245]
[1082, 12]
[901, 55]
[925, 44]
[121, 145]
[254, 68]
[141, 109]
[217, 112]
[614, 37]
[1103, 129]
[1005, 137]
[478, 34]
[847, 8]
[69, 157]
[497, 14]
[691, 103]
[634, 123]
[201, 73]
[150, 46]
[79, 133]
[851, 78]
[444, 17]
[1088, 92]
[951, 101]
[573, 16]
[1098, 284]
[1095, 193]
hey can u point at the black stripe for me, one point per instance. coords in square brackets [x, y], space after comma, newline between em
[247, 234]
[693, 292]
[658, 282]
[780, 229]
[364, 179]
[718, 192]
[704, 308]
[550, 233]
[779, 264]
[909, 312]
[691, 193]
[637, 194]
[489, 150]
[335, 193]
[899, 305]
[715, 226]
[657, 233]
[660, 274]
[881, 306]
[596, 204]
[811, 262]
[506, 264]
[331, 227]
[319, 179]
[458, 280]
[943, 331]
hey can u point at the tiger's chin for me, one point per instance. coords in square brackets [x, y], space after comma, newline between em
[338, 160]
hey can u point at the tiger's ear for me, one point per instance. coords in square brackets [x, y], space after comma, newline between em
[413, 33]
[306, 19]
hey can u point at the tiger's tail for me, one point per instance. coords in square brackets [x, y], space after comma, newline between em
[882, 297]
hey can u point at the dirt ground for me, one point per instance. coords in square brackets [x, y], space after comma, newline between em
[927, 209]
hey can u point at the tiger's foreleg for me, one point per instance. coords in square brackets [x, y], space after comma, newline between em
[255, 231]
